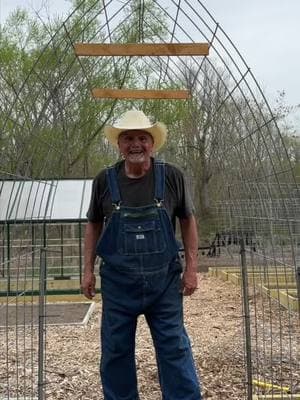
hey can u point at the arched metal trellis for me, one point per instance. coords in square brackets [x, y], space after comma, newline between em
[223, 133]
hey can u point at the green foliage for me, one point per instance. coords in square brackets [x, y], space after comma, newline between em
[143, 22]
[50, 126]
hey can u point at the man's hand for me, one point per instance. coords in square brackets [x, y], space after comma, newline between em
[88, 284]
[189, 282]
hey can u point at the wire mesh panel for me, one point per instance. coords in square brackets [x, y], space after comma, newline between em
[22, 319]
[264, 222]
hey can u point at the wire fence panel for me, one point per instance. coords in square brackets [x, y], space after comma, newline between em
[19, 333]
[267, 225]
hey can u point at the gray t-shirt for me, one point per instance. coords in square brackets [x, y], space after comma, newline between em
[139, 192]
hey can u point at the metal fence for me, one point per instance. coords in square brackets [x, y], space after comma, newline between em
[20, 244]
[261, 238]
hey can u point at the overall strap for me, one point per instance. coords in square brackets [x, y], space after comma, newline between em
[111, 175]
[159, 179]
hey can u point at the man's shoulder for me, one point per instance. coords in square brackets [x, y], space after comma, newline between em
[174, 170]
[101, 176]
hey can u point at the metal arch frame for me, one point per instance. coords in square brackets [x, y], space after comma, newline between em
[224, 63]
[263, 127]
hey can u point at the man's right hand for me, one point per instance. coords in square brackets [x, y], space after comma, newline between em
[88, 284]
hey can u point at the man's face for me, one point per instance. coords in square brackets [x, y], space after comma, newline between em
[136, 146]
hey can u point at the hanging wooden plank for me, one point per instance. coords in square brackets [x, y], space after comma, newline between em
[141, 49]
[140, 94]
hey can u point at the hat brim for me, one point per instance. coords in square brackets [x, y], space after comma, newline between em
[158, 131]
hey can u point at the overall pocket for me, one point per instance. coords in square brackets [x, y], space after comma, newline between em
[137, 238]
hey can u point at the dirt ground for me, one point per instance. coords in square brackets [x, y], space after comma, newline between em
[213, 320]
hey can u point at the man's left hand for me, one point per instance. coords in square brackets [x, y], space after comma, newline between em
[189, 282]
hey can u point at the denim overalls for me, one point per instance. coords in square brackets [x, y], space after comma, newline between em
[141, 274]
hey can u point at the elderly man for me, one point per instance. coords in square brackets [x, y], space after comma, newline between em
[131, 224]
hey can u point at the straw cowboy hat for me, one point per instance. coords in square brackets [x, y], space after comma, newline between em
[136, 120]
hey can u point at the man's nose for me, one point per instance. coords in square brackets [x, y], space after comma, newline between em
[136, 142]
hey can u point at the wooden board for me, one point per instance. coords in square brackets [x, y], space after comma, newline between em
[55, 314]
[141, 49]
[140, 94]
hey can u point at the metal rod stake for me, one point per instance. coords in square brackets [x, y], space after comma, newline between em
[41, 348]
[246, 318]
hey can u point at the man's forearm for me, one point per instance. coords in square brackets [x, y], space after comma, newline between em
[92, 233]
[190, 241]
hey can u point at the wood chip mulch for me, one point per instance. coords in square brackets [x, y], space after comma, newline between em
[214, 320]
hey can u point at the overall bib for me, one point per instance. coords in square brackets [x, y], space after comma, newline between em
[141, 274]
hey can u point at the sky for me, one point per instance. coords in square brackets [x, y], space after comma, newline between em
[266, 32]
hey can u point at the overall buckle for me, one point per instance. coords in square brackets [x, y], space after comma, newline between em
[117, 206]
[158, 202]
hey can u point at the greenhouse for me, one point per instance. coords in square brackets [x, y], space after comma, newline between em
[42, 214]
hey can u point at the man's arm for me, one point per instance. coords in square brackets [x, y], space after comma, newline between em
[190, 242]
[92, 233]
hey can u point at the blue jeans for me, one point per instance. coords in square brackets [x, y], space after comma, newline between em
[157, 295]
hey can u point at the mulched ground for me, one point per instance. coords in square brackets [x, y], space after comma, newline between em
[214, 321]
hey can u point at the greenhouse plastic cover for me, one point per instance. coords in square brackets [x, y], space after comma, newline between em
[51, 200]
